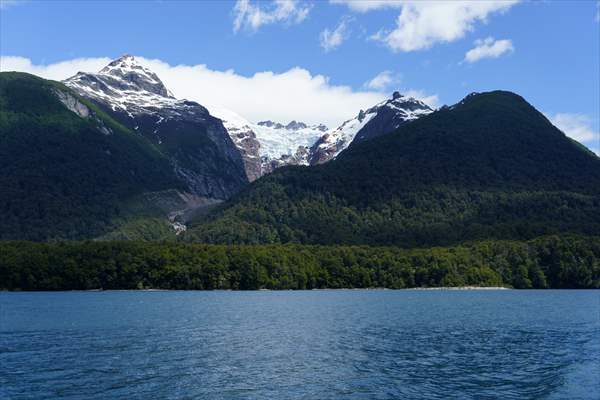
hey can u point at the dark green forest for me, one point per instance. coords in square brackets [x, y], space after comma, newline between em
[549, 262]
[61, 177]
[490, 167]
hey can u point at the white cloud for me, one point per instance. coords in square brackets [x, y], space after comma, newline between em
[4, 4]
[421, 24]
[253, 16]
[382, 81]
[293, 94]
[488, 48]
[368, 5]
[331, 40]
[576, 126]
[57, 71]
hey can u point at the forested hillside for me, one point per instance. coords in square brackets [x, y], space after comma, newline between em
[489, 167]
[64, 176]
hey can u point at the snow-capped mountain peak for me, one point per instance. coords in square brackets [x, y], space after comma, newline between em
[380, 119]
[127, 85]
[409, 107]
[134, 76]
[137, 98]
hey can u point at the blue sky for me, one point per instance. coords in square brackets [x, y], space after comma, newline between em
[547, 51]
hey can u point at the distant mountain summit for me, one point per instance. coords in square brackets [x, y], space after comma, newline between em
[390, 115]
[125, 84]
[380, 119]
[199, 147]
[130, 75]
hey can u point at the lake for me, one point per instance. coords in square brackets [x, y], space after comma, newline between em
[330, 344]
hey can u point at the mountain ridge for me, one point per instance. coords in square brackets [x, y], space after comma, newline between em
[489, 167]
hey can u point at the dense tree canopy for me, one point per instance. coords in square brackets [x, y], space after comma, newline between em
[550, 262]
[61, 176]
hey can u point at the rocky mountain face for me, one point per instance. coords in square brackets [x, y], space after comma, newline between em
[267, 145]
[197, 144]
[380, 119]
[241, 133]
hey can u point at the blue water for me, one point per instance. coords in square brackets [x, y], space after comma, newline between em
[301, 345]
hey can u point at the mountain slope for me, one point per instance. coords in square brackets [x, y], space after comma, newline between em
[196, 143]
[489, 167]
[69, 170]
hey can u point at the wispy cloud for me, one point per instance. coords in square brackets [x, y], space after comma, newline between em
[369, 5]
[4, 4]
[383, 80]
[422, 24]
[331, 40]
[576, 126]
[57, 71]
[252, 16]
[488, 48]
[282, 96]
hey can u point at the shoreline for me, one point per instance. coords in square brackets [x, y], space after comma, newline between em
[462, 288]
[441, 288]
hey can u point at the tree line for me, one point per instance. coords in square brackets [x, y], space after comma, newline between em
[548, 262]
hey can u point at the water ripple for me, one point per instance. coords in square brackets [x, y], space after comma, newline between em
[301, 345]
